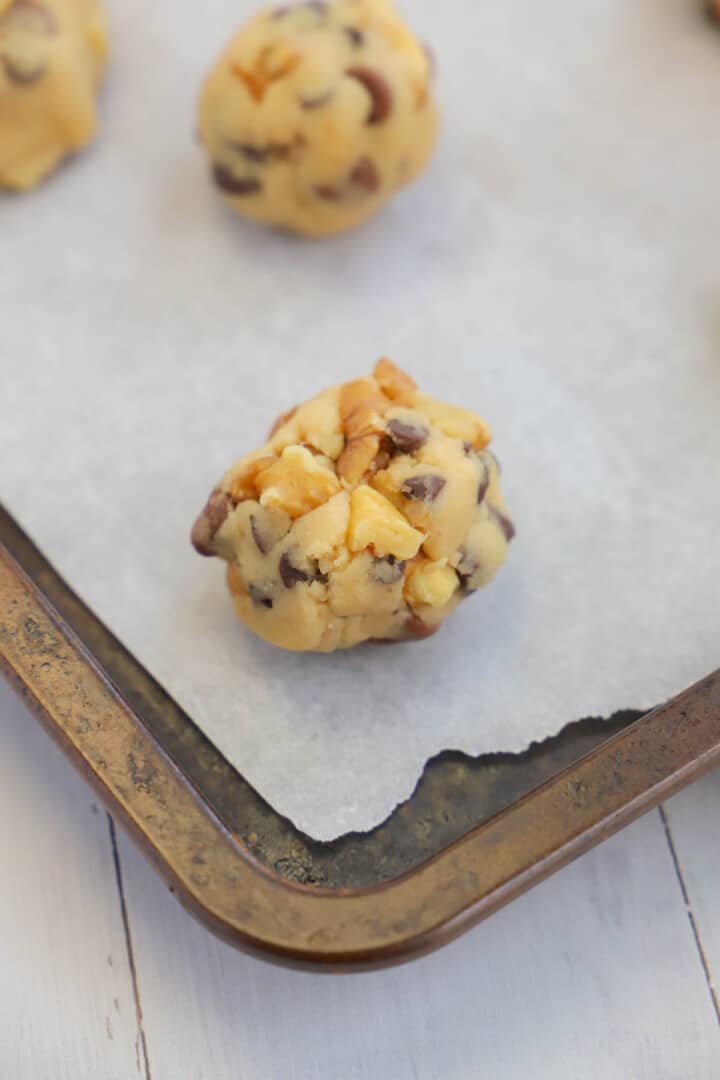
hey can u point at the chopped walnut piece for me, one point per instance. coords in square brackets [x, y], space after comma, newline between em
[375, 523]
[271, 64]
[297, 482]
[240, 482]
[430, 583]
[398, 386]
[361, 408]
[362, 518]
[357, 458]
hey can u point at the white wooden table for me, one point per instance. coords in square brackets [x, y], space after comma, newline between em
[605, 972]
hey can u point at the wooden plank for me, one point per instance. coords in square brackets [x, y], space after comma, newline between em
[595, 974]
[67, 1008]
[693, 821]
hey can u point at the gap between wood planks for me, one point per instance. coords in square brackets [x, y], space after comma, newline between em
[141, 1050]
[143, 1058]
[690, 913]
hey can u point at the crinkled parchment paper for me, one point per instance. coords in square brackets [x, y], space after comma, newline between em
[557, 268]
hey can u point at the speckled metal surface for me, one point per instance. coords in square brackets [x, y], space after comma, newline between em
[475, 833]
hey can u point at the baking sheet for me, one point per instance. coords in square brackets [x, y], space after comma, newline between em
[558, 268]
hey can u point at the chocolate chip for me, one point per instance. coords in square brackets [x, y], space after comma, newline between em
[317, 5]
[365, 175]
[31, 19]
[465, 568]
[251, 152]
[387, 571]
[290, 574]
[423, 488]
[506, 525]
[213, 515]
[217, 509]
[498, 466]
[379, 90]
[23, 76]
[281, 12]
[258, 536]
[484, 482]
[357, 38]
[259, 597]
[416, 629]
[407, 437]
[328, 193]
[319, 101]
[269, 526]
[235, 185]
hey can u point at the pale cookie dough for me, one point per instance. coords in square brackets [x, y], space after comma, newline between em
[371, 513]
[316, 114]
[52, 55]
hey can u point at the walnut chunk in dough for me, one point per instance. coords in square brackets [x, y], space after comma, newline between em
[325, 552]
[315, 114]
[52, 55]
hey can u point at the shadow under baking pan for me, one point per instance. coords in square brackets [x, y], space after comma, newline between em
[455, 793]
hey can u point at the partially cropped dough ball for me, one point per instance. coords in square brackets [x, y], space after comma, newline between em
[371, 513]
[52, 54]
[316, 114]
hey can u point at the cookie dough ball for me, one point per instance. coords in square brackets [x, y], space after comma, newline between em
[316, 114]
[52, 54]
[371, 512]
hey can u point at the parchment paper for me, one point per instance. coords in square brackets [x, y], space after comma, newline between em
[557, 268]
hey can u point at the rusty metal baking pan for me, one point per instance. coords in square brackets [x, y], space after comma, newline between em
[476, 832]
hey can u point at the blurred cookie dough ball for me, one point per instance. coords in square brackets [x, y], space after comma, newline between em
[52, 55]
[316, 114]
[371, 512]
